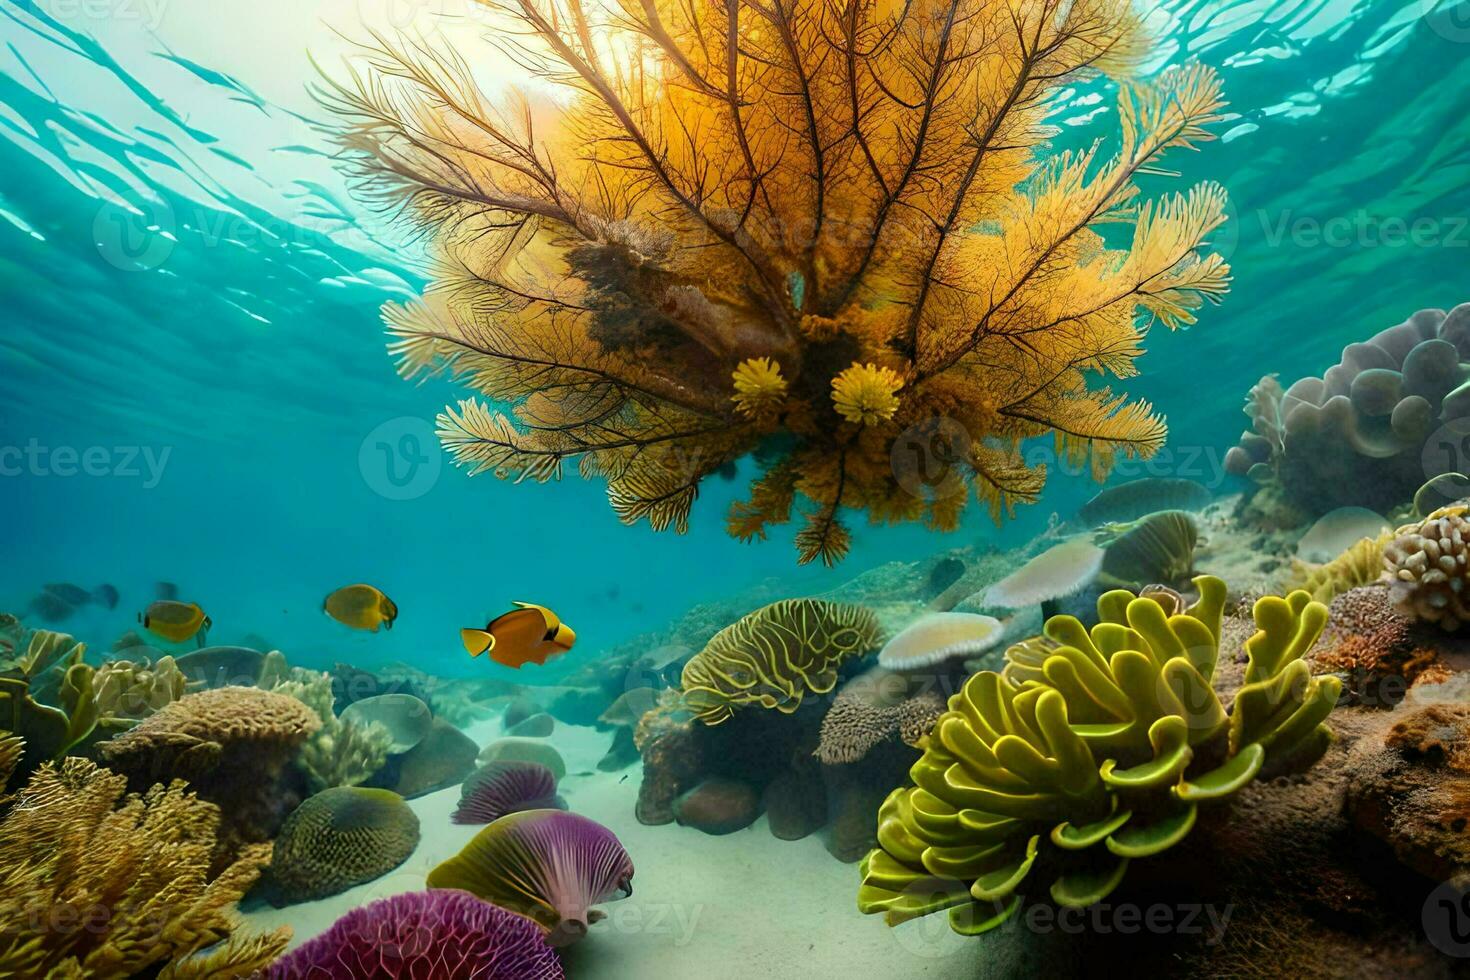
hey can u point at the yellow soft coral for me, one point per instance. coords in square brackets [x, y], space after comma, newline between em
[759, 388]
[619, 280]
[866, 394]
[96, 883]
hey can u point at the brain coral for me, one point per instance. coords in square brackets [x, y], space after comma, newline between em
[232, 744]
[776, 655]
[1356, 435]
[506, 787]
[342, 837]
[547, 865]
[444, 935]
[1106, 757]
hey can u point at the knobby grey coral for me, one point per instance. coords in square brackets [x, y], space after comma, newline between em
[1357, 435]
[1426, 568]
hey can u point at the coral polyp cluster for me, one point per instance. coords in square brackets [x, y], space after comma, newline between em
[794, 230]
[1095, 751]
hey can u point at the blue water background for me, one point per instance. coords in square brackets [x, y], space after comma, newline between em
[184, 274]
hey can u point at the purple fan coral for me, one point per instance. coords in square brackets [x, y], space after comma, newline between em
[499, 788]
[446, 935]
[545, 864]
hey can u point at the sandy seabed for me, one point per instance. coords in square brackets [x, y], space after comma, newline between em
[744, 905]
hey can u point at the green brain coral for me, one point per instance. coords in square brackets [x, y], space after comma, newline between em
[1094, 754]
[775, 655]
[339, 838]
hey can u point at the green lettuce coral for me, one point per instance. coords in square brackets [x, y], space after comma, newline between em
[1093, 753]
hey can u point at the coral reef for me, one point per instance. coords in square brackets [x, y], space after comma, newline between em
[547, 865]
[1158, 548]
[1127, 502]
[1413, 790]
[1337, 531]
[343, 751]
[1060, 571]
[97, 884]
[443, 758]
[795, 804]
[718, 806]
[498, 788]
[539, 725]
[446, 935]
[684, 284]
[233, 745]
[1356, 436]
[776, 655]
[214, 667]
[524, 750]
[338, 838]
[1425, 567]
[1107, 758]
[873, 708]
[52, 661]
[135, 689]
[933, 640]
[1359, 565]
[407, 718]
[673, 758]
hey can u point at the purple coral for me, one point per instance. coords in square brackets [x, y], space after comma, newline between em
[546, 864]
[446, 935]
[499, 788]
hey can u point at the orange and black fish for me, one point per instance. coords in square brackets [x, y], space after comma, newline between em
[527, 634]
[176, 621]
[362, 607]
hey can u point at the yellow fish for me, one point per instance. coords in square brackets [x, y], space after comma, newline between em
[362, 607]
[527, 634]
[176, 621]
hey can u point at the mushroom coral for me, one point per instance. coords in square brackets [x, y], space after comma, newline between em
[938, 637]
[547, 865]
[1105, 758]
[498, 788]
[808, 238]
[775, 656]
[444, 935]
[95, 883]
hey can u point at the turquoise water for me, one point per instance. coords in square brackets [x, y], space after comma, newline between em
[191, 300]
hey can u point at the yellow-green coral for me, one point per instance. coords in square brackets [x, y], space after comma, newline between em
[775, 655]
[342, 752]
[1360, 565]
[866, 394]
[1102, 754]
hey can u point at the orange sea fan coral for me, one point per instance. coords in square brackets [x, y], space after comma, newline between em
[836, 190]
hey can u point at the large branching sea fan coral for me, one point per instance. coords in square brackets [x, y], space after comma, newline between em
[792, 224]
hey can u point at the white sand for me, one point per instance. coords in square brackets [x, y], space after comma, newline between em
[714, 908]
